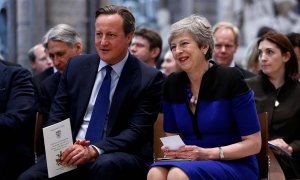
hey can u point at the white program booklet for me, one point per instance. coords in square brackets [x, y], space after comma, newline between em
[57, 138]
[172, 142]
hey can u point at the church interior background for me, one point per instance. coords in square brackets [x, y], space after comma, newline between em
[24, 22]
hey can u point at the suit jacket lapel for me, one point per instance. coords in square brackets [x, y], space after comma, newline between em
[3, 74]
[87, 80]
[124, 85]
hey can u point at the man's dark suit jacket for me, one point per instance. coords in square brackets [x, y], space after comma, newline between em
[9, 63]
[37, 79]
[17, 102]
[134, 107]
[246, 74]
[49, 88]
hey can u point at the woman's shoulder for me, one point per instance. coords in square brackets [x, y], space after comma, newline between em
[176, 77]
[225, 76]
[175, 86]
[254, 81]
[224, 82]
[230, 73]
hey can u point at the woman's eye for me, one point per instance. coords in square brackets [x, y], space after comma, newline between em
[269, 52]
[172, 48]
[185, 43]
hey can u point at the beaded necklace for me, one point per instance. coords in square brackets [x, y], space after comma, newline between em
[191, 98]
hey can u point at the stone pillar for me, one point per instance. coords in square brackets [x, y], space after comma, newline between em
[30, 27]
[71, 12]
[11, 31]
[23, 32]
[180, 9]
[207, 8]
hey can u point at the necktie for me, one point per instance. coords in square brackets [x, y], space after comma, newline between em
[100, 111]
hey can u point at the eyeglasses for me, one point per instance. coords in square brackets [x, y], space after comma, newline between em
[138, 45]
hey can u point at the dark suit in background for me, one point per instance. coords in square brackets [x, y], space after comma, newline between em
[9, 63]
[246, 74]
[48, 90]
[17, 100]
[37, 79]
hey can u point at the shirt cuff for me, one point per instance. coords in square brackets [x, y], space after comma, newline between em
[100, 151]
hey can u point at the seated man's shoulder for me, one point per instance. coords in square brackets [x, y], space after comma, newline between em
[18, 71]
[7, 63]
[83, 60]
[246, 73]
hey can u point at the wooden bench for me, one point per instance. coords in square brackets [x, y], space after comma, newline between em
[38, 142]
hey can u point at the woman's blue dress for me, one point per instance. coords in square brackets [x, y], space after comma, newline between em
[225, 111]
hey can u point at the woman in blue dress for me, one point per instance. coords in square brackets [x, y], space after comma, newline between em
[211, 108]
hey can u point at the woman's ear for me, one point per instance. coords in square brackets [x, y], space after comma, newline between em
[204, 48]
[286, 56]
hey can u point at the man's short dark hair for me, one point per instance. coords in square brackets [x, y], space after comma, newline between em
[128, 18]
[294, 39]
[152, 37]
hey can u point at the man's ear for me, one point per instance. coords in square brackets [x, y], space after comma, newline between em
[78, 48]
[155, 52]
[129, 37]
[33, 65]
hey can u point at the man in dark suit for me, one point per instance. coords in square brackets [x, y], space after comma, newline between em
[125, 150]
[8, 63]
[37, 79]
[39, 58]
[61, 42]
[226, 39]
[17, 102]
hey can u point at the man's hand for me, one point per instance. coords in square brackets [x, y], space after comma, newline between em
[83, 142]
[81, 152]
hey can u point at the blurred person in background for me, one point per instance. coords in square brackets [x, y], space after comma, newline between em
[251, 53]
[61, 42]
[39, 60]
[146, 45]
[169, 64]
[226, 39]
[295, 40]
[277, 92]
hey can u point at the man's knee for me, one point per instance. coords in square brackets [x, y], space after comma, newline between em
[106, 162]
[26, 176]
